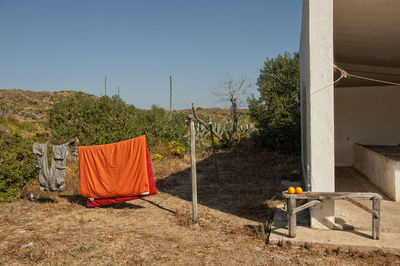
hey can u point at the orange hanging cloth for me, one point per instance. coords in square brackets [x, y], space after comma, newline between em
[114, 170]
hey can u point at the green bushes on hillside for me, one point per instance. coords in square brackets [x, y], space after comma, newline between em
[93, 121]
[107, 120]
[17, 163]
[159, 127]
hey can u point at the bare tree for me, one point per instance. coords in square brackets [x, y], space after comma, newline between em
[233, 92]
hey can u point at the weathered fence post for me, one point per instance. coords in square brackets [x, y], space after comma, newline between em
[193, 166]
[214, 155]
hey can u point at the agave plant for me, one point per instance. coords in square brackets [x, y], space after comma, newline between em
[201, 131]
[202, 134]
[248, 128]
[219, 127]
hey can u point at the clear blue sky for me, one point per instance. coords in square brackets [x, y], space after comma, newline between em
[72, 44]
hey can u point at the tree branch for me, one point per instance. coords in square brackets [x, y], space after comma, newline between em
[206, 125]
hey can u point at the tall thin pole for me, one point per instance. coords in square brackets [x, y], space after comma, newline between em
[213, 151]
[105, 86]
[193, 166]
[170, 96]
[118, 91]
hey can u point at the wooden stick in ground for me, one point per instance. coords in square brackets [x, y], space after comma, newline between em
[198, 119]
[214, 155]
[193, 165]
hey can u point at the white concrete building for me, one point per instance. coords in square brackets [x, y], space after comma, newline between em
[361, 37]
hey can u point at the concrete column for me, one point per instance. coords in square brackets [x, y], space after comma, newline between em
[316, 77]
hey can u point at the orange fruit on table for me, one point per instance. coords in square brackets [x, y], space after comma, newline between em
[299, 190]
[291, 190]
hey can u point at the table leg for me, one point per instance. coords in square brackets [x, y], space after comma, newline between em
[291, 216]
[376, 224]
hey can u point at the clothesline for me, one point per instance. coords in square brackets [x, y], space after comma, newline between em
[343, 74]
[365, 78]
[69, 142]
[314, 92]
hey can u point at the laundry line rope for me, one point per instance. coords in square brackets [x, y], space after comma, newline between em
[376, 80]
[343, 74]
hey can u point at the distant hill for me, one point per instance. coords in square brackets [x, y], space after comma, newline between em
[30, 106]
[214, 110]
[217, 114]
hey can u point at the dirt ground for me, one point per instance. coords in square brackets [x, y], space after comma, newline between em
[234, 218]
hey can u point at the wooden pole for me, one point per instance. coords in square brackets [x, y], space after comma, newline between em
[170, 96]
[118, 92]
[105, 86]
[214, 155]
[193, 165]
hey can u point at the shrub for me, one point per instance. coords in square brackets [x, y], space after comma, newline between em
[277, 110]
[17, 164]
[175, 149]
[160, 127]
[107, 120]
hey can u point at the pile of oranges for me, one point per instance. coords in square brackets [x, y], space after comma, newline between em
[292, 190]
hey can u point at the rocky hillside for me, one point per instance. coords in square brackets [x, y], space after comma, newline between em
[25, 105]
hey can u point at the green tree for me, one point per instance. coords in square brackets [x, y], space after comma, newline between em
[277, 110]
[106, 120]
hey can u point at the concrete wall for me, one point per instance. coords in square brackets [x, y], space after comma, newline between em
[316, 79]
[380, 170]
[365, 115]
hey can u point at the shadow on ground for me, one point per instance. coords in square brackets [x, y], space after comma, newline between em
[44, 200]
[78, 199]
[248, 182]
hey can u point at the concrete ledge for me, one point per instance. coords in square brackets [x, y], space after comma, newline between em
[383, 171]
[351, 239]
[335, 238]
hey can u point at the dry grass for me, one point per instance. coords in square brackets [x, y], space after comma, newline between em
[169, 166]
[184, 218]
[232, 228]
[72, 178]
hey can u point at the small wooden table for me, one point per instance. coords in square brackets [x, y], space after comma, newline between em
[317, 197]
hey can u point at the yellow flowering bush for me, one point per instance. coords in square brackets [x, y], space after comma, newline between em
[156, 157]
[178, 151]
[43, 133]
[172, 144]
[216, 140]
[175, 149]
